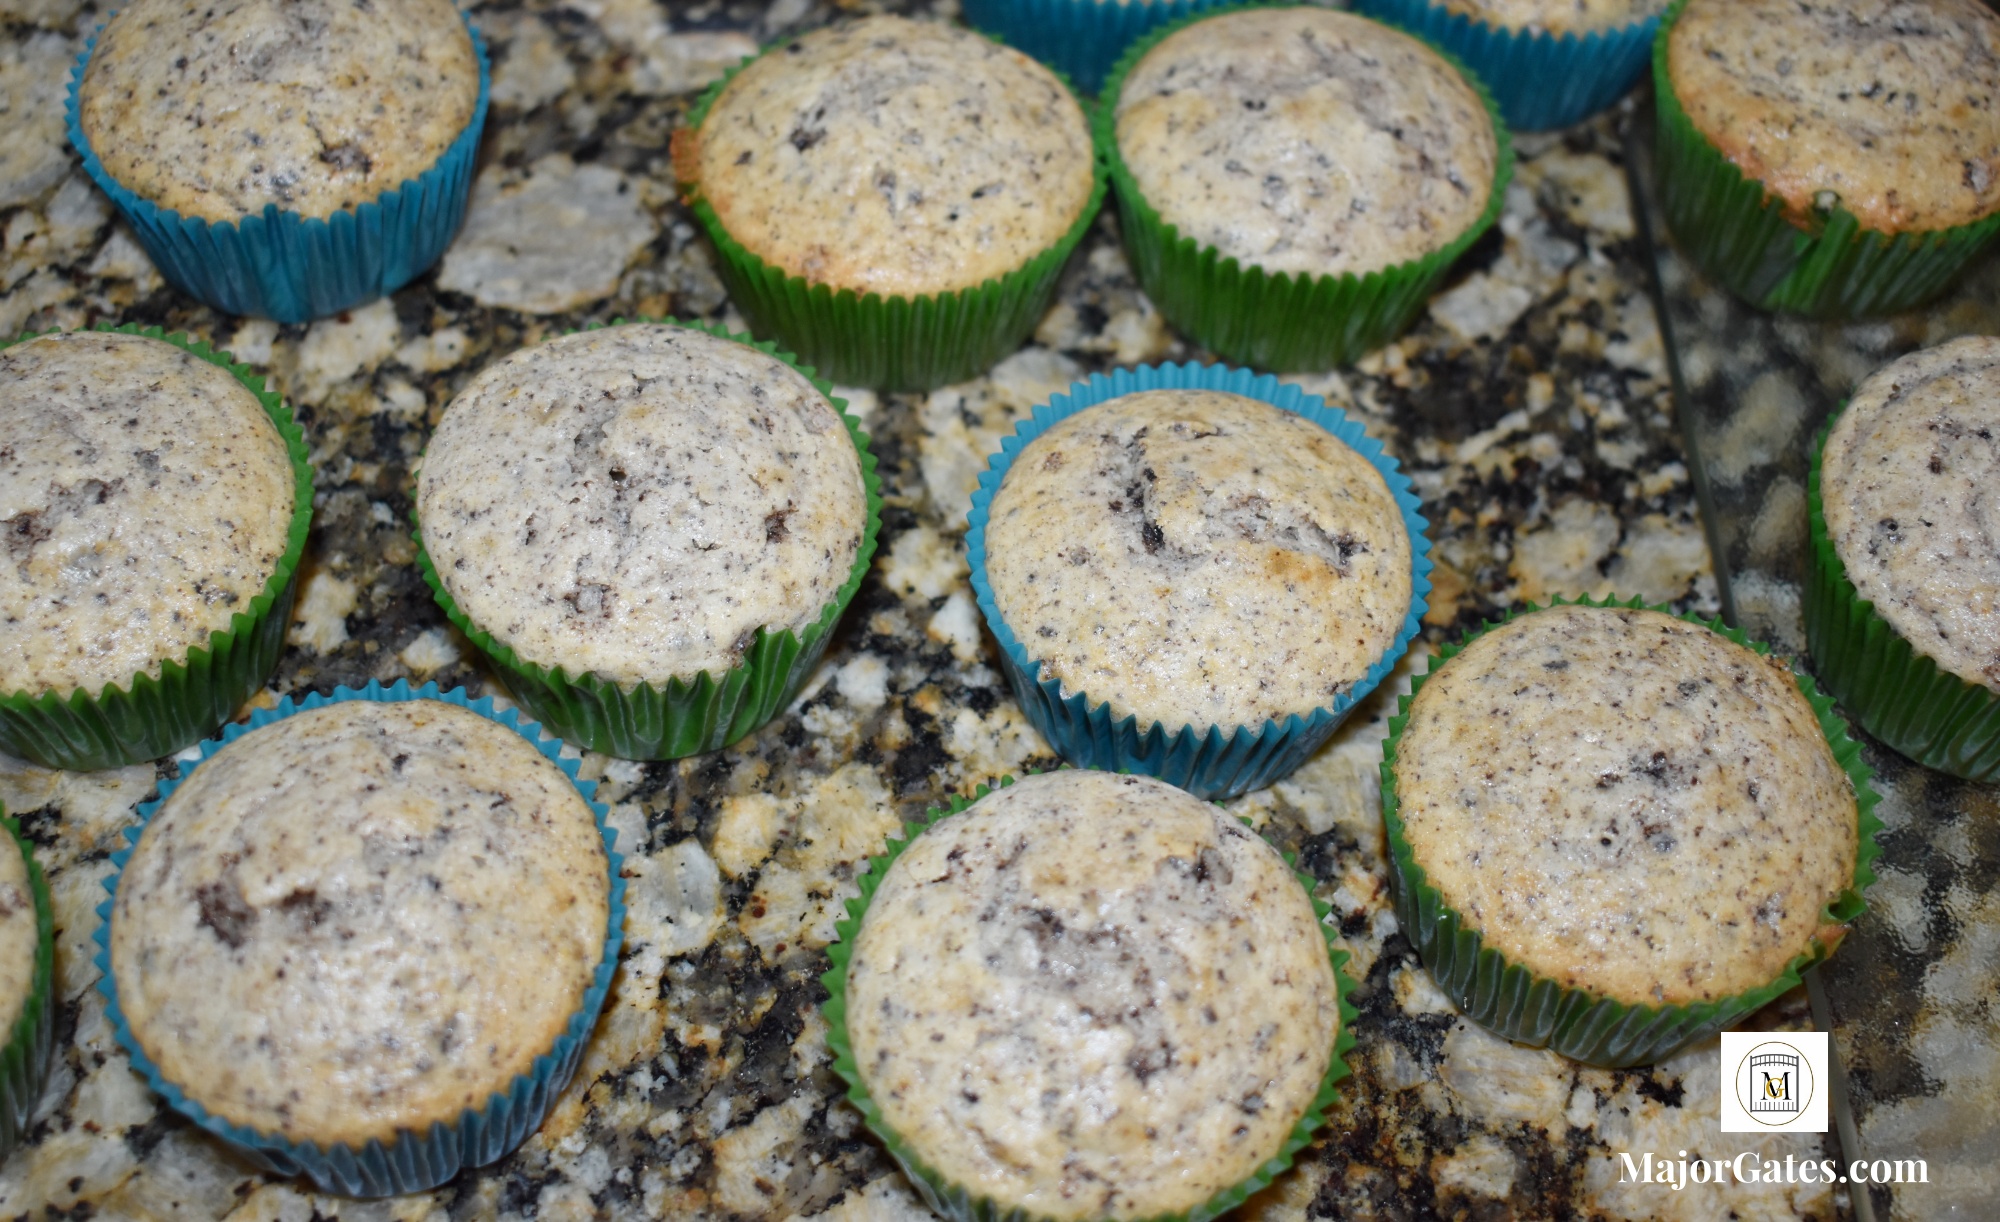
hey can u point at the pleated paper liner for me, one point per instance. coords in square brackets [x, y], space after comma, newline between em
[1276, 321]
[24, 1060]
[412, 1162]
[1081, 39]
[279, 265]
[1216, 761]
[685, 717]
[1540, 80]
[150, 717]
[953, 1201]
[894, 343]
[1739, 235]
[1897, 694]
[1513, 1001]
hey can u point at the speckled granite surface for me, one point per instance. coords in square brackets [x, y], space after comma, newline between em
[1531, 406]
[1914, 994]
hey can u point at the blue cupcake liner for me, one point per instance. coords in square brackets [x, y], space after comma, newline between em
[1541, 80]
[413, 1162]
[282, 266]
[1214, 762]
[1082, 39]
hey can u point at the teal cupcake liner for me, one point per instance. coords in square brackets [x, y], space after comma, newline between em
[954, 1202]
[1825, 266]
[1897, 694]
[24, 1059]
[1276, 321]
[685, 717]
[413, 1162]
[153, 717]
[892, 343]
[282, 266]
[1540, 80]
[1081, 39]
[1216, 761]
[1512, 1001]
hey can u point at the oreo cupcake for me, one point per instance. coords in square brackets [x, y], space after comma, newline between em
[1830, 160]
[1549, 63]
[1614, 831]
[365, 937]
[1195, 573]
[1293, 182]
[1087, 996]
[154, 501]
[284, 158]
[1081, 39]
[1903, 602]
[892, 199]
[650, 529]
[27, 970]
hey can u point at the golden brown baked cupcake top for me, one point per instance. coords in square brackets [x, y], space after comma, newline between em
[1092, 996]
[1627, 803]
[1306, 141]
[145, 499]
[1892, 106]
[362, 918]
[893, 156]
[1910, 483]
[1198, 558]
[1558, 16]
[216, 108]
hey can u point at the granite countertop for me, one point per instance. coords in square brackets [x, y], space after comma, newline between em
[1531, 405]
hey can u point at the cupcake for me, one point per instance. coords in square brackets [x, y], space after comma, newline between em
[364, 938]
[27, 967]
[284, 158]
[1292, 182]
[1081, 39]
[1614, 831]
[1831, 160]
[154, 500]
[1903, 602]
[650, 529]
[1087, 996]
[892, 199]
[1549, 63]
[1195, 573]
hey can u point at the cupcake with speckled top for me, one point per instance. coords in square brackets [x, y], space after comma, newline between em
[1903, 602]
[1614, 831]
[650, 529]
[892, 199]
[1292, 182]
[1549, 63]
[1195, 573]
[364, 937]
[1088, 996]
[284, 158]
[154, 502]
[1835, 160]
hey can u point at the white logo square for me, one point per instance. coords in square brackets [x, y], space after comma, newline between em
[1774, 1081]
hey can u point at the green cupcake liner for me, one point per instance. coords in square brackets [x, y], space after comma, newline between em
[24, 1061]
[685, 717]
[1897, 694]
[1514, 1002]
[1738, 233]
[892, 343]
[1278, 322]
[956, 1203]
[153, 717]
